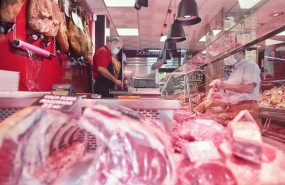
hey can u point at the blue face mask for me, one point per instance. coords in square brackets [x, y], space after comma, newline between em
[115, 51]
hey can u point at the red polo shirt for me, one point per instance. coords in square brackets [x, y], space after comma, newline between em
[102, 58]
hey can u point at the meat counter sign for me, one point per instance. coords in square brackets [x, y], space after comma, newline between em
[64, 103]
[147, 53]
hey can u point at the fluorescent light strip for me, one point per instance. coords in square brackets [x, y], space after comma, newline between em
[247, 4]
[203, 39]
[107, 32]
[120, 3]
[128, 31]
[216, 32]
[281, 34]
[163, 38]
[270, 42]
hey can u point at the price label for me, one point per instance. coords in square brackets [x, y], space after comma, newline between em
[63, 103]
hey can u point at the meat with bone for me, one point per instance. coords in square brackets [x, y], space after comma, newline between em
[87, 46]
[74, 37]
[198, 130]
[44, 17]
[134, 152]
[30, 146]
[62, 35]
[206, 173]
[10, 9]
[80, 41]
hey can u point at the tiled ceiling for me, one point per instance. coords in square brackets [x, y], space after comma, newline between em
[150, 20]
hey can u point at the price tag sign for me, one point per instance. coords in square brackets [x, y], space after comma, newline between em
[68, 104]
[62, 89]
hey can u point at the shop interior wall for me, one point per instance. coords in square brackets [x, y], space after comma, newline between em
[39, 73]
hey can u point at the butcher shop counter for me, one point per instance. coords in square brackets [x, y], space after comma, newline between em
[153, 108]
[274, 125]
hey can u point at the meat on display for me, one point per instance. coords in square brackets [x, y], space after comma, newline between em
[133, 152]
[62, 35]
[32, 151]
[10, 9]
[39, 146]
[44, 17]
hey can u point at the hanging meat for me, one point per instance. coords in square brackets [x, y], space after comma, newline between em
[62, 35]
[44, 16]
[88, 51]
[79, 37]
[10, 9]
[75, 38]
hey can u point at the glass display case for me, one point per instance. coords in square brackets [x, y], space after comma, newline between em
[262, 37]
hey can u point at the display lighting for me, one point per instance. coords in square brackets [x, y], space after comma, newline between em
[121, 3]
[247, 4]
[187, 13]
[128, 31]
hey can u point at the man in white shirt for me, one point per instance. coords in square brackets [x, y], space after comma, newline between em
[244, 81]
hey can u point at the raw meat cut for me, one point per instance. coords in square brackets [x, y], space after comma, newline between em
[62, 35]
[88, 46]
[201, 151]
[74, 37]
[246, 138]
[181, 115]
[10, 9]
[43, 16]
[134, 151]
[30, 146]
[206, 173]
[198, 130]
[80, 41]
[270, 171]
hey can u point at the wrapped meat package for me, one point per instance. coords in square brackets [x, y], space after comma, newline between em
[134, 150]
[37, 145]
[246, 138]
[198, 130]
[202, 151]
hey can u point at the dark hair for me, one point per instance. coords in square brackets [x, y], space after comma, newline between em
[114, 39]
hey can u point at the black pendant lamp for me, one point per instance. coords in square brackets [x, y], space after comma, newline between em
[187, 13]
[176, 33]
[169, 46]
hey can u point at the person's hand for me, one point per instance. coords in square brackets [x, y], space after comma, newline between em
[118, 83]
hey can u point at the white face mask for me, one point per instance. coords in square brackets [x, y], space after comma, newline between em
[115, 51]
[231, 60]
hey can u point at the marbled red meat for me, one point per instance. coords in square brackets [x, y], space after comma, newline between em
[30, 146]
[44, 16]
[134, 151]
[197, 130]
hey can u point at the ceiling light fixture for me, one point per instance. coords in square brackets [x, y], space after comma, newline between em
[128, 31]
[169, 46]
[246, 4]
[187, 13]
[176, 33]
[116, 3]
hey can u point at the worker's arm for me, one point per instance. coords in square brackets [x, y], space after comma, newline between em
[104, 72]
[244, 88]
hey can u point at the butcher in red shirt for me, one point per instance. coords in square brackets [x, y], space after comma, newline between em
[103, 70]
